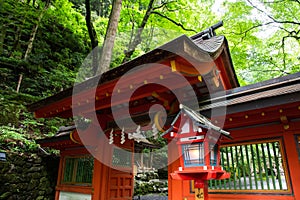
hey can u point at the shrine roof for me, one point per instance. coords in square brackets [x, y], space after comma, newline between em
[273, 92]
[195, 46]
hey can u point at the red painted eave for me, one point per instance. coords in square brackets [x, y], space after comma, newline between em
[94, 94]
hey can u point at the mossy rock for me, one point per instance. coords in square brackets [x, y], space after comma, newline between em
[5, 195]
[4, 167]
[23, 186]
[36, 169]
[33, 184]
[40, 198]
[12, 178]
[38, 160]
[43, 180]
[44, 185]
[19, 162]
[49, 190]
[35, 175]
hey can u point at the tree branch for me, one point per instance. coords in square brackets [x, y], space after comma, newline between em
[250, 29]
[137, 38]
[131, 16]
[270, 2]
[270, 70]
[89, 24]
[163, 5]
[174, 22]
[275, 20]
[93, 36]
[291, 34]
[283, 51]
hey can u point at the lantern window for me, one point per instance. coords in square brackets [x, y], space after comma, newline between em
[193, 154]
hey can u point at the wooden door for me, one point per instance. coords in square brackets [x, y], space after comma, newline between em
[121, 185]
[121, 177]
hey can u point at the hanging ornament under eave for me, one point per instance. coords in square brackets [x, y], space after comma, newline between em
[130, 136]
[122, 136]
[138, 136]
[111, 137]
[138, 130]
[154, 131]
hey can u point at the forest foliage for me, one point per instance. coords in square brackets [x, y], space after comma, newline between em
[44, 42]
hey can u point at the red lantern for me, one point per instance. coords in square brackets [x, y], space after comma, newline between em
[198, 143]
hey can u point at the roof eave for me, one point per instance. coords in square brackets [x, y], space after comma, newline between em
[182, 46]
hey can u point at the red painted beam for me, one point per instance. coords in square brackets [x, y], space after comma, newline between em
[139, 77]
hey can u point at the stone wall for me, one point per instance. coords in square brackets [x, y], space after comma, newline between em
[28, 177]
[149, 183]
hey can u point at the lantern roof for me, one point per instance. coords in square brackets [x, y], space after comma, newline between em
[198, 119]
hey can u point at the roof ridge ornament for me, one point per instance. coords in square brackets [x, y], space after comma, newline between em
[209, 32]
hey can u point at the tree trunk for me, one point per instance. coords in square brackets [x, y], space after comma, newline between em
[93, 36]
[110, 37]
[137, 38]
[35, 29]
[19, 83]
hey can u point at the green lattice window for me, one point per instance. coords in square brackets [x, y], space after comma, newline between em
[253, 166]
[78, 170]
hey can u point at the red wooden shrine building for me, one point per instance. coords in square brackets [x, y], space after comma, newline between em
[263, 119]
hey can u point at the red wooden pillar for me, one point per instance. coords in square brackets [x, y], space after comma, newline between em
[59, 177]
[175, 187]
[292, 156]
